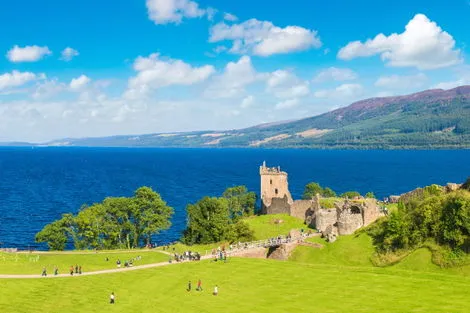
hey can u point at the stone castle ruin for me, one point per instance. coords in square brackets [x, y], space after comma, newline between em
[343, 219]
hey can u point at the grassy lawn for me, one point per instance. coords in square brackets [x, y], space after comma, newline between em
[32, 263]
[265, 227]
[245, 285]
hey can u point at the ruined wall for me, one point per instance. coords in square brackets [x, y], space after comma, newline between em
[349, 222]
[325, 218]
[281, 252]
[371, 211]
[301, 209]
[277, 206]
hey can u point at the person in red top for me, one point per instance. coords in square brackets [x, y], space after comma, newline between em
[71, 270]
[199, 285]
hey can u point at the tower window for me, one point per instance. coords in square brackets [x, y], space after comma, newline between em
[276, 191]
[271, 181]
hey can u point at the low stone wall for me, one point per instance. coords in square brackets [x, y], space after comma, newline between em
[349, 223]
[257, 253]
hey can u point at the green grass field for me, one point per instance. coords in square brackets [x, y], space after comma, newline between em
[245, 285]
[32, 263]
[337, 278]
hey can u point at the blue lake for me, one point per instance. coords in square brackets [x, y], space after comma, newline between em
[38, 185]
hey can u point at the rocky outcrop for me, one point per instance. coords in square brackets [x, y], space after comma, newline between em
[282, 252]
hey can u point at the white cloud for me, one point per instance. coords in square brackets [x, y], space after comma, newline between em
[348, 91]
[48, 89]
[462, 78]
[154, 72]
[16, 78]
[230, 17]
[232, 82]
[284, 84]
[173, 11]
[401, 81]
[77, 84]
[263, 38]
[68, 54]
[335, 74]
[27, 54]
[423, 44]
[247, 102]
[287, 104]
[452, 84]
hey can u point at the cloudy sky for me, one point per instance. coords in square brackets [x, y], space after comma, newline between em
[96, 68]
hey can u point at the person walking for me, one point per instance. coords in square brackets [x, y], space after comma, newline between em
[111, 298]
[80, 270]
[56, 271]
[216, 290]
[44, 272]
[189, 286]
[199, 285]
[71, 270]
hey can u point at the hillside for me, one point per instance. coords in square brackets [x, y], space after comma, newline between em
[430, 119]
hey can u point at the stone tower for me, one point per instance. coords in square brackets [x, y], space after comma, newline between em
[275, 195]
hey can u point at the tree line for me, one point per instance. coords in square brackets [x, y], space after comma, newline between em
[313, 188]
[431, 215]
[130, 222]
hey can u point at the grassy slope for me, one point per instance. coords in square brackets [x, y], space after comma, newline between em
[245, 285]
[20, 263]
[265, 226]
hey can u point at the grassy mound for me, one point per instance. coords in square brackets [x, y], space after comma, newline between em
[245, 285]
[33, 263]
[346, 250]
[265, 226]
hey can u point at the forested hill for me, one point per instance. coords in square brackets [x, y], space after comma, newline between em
[430, 119]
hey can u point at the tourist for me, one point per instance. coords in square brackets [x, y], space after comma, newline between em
[189, 286]
[199, 285]
[80, 269]
[44, 272]
[76, 269]
[71, 270]
[111, 298]
[216, 291]
[56, 271]
[118, 263]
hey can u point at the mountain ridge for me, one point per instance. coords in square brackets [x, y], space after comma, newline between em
[434, 118]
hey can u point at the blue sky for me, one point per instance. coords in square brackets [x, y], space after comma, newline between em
[96, 68]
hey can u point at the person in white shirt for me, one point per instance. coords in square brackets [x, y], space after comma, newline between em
[111, 298]
[216, 290]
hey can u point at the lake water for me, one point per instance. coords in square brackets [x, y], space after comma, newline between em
[38, 185]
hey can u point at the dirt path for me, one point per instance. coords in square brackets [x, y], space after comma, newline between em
[116, 270]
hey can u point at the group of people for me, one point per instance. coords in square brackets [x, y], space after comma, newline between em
[220, 254]
[77, 270]
[187, 255]
[127, 263]
[199, 287]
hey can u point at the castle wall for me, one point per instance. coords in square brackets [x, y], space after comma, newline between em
[277, 206]
[348, 223]
[325, 218]
[301, 208]
[371, 211]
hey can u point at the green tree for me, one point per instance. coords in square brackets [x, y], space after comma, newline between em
[240, 201]
[54, 234]
[311, 190]
[328, 193]
[466, 185]
[350, 194]
[208, 221]
[370, 195]
[114, 223]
